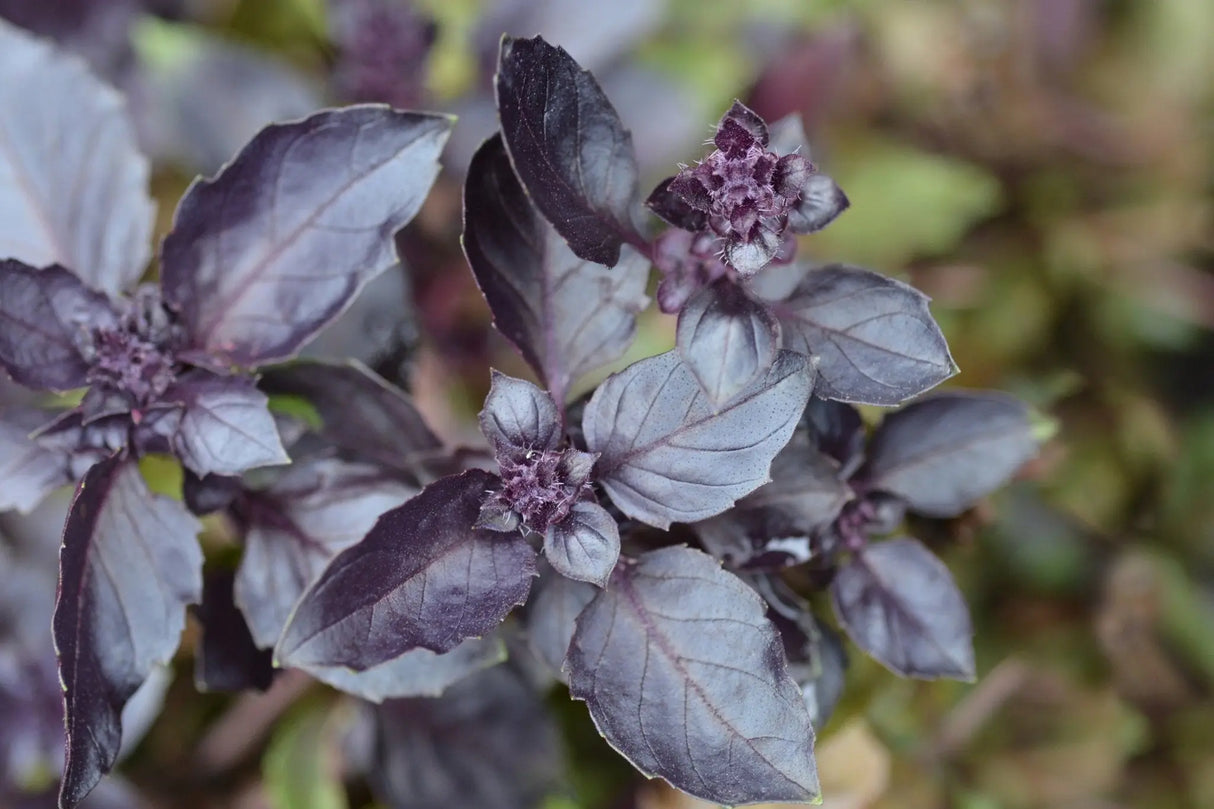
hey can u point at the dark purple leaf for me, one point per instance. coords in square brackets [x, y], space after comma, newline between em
[359, 411]
[874, 338]
[551, 614]
[317, 509]
[28, 471]
[73, 188]
[668, 455]
[539, 291]
[686, 677]
[806, 490]
[585, 545]
[129, 565]
[488, 741]
[673, 209]
[226, 427]
[209, 493]
[837, 430]
[771, 527]
[569, 147]
[899, 604]
[44, 317]
[422, 578]
[816, 657]
[943, 453]
[727, 338]
[279, 242]
[518, 414]
[227, 658]
[416, 673]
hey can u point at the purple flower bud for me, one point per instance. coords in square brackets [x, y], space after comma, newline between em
[746, 194]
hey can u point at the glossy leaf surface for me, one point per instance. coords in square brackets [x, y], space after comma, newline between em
[569, 147]
[874, 338]
[668, 455]
[899, 604]
[540, 291]
[73, 188]
[686, 677]
[278, 243]
[129, 565]
[422, 578]
[943, 453]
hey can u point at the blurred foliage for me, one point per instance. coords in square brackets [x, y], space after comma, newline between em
[1043, 169]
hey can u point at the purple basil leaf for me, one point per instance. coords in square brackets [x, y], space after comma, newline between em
[44, 314]
[585, 545]
[227, 659]
[28, 471]
[209, 493]
[422, 578]
[899, 604]
[551, 614]
[668, 455]
[569, 147]
[489, 741]
[73, 188]
[129, 565]
[685, 676]
[277, 244]
[943, 453]
[837, 430]
[537, 288]
[416, 673]
[317, 509]
[727, 339]
[817, 661]
[226, 427]
[518, 414]
[674, 209]
[360, 412]
[806, 488]
[874, 338]
[816, 657]
[771, 527]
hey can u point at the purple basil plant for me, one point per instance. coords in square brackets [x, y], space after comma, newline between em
[633, 541]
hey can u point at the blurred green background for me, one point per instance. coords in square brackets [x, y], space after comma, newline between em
[1042, 169]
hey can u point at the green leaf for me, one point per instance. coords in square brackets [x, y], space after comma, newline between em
[300, 767]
